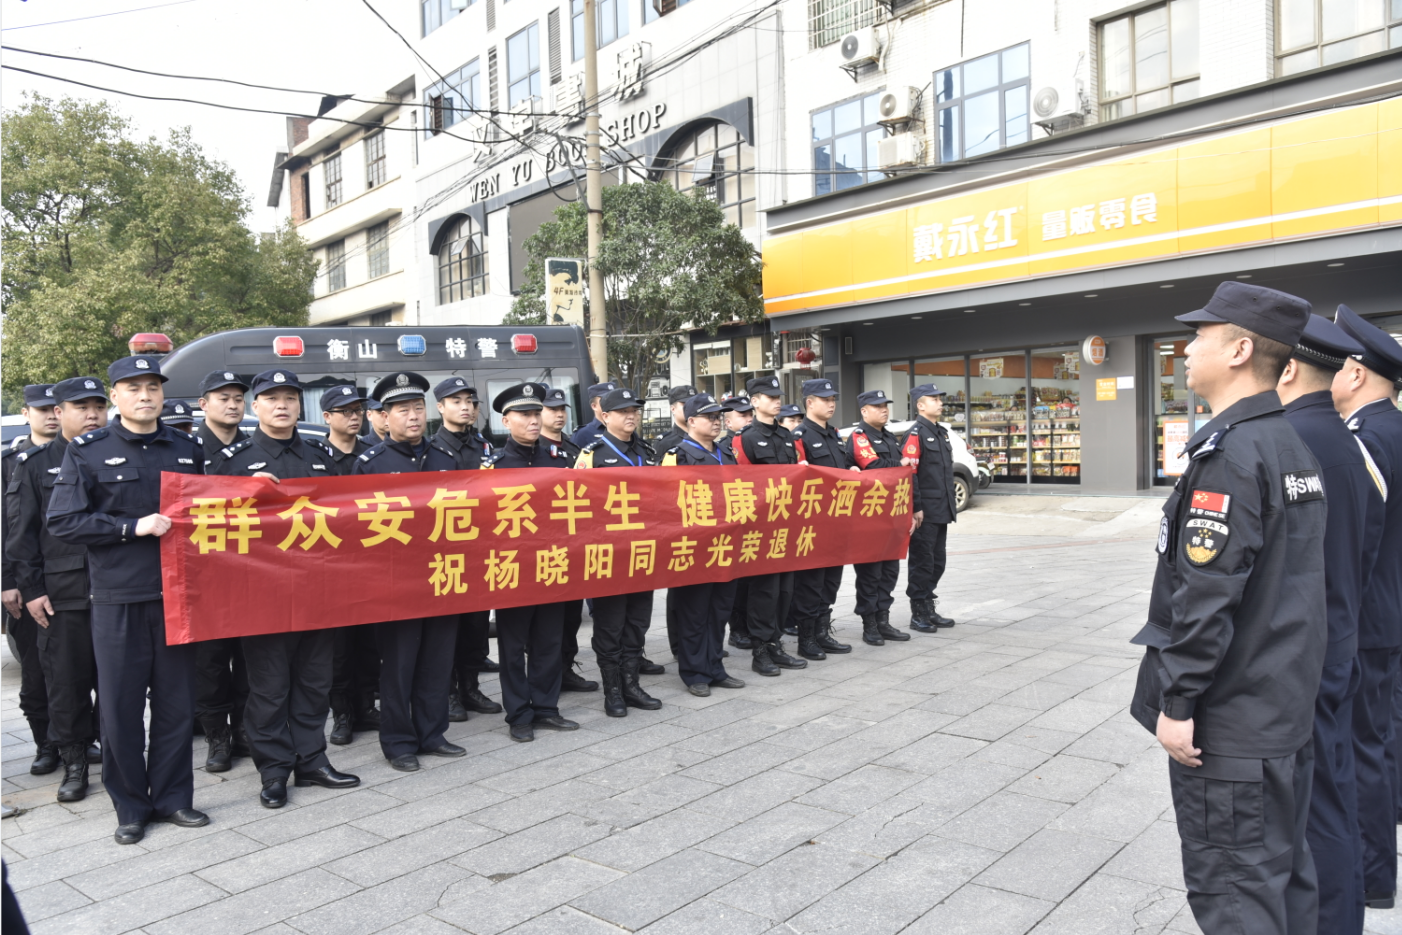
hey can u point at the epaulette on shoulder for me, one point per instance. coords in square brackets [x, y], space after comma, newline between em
[92, 436]
[1209, 444]
[592, 445]
[235, 448]
[1355, 423]
[316, 441]
[491, 461]
[374, 450]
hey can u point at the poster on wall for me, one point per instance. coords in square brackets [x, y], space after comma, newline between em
[990, 368]
[564, 291]
[1175, 439]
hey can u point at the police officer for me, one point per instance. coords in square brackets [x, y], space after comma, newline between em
[790, 416]
[178, 416]
[42, 416]
[222, 400]
[289, 673]
[701, 609]
[343, 410]
[591, 430]
[676, 402]
[107, 497]
[1351, 533]
[1237, 628]
[815, 589]
[1365, 394]
[765, 441]
[553, 419]
[375, 415]
[416, 668]
[927, 446]
[870, 447]
[620, 620]
[530, 690]
[53, 581]
[736, 413]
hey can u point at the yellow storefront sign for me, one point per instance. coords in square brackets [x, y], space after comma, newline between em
[1306, 177]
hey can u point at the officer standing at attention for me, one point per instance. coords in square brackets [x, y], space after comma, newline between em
[620, 620]
[221, 398]
[765, 441]
[736, 413]
[178, 416]
[530, 689]
[39, 411]
[1238, 626]
[416, 669]
[701, 609]
[1352, 531]
[458, 438]
[107, 497]
[553, 419]
[343, 409]
[591, 430]
[870, 447]
[815, 589]
[378, 422]
[1365, 394]
[790, 416]
[289, 673]
[927, 446]
[53, 582]
[676, 401]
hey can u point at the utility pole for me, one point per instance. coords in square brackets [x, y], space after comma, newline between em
[594, 195]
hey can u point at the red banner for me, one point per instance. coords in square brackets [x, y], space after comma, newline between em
[247, 556]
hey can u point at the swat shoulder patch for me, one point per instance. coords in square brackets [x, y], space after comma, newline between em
[1302, 486]
[1206, 532]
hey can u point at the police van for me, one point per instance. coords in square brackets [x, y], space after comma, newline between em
[490, 357]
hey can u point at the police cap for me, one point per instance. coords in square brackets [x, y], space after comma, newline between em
[701, 404]
[736, 403]
[925, 389]
[681, 393]
[275, 379]
[620, 399]
[218, 379]
[139, 366]
[789, 411]
[767, 386]
[823, 388]
[39, 394]
[873, 398]
[1267, 312]
[555, 399]
[523, 397]
[175, 412]
[76, 388]
[453, 386]
[1381, 352]
[398, 387]
[339, 397]
[1325, 344]
[599, 390]
[373, 405]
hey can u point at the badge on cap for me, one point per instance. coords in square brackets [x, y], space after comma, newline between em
[827, 386]
[89, 385]
[403, 380]
[49, 391]
[528, 390]
[459, 383]
[345, 391]
[142, 364]
[228, 375]
[627, 395]
[279, 378]
[179, 409]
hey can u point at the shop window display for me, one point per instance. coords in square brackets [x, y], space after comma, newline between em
[1178, 412]
[948, 374]
[1055, 436]
[998, 414]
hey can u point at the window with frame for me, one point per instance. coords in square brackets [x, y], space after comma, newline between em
[438, 12]
[523, 65]
[613, 23]
[377, 250]
[331, 168]
[1149, 59]
[1312, 33]
[453, 99]
[375, 163]
[462, 263]
[981, 104]
[846, 137]
[718, 161]
[830, 20]
[336, 266]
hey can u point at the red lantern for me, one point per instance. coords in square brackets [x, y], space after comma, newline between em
[805, 356]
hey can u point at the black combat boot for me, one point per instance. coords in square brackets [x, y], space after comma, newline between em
[219, 738]
[940, 620]
[761, 662]
[367, 716]
[883, 626]
[808, 646]
[456, 712]
[633, 694]
[74, 787]
[572, 681]
[790, 628]
[46, 758]
[782, 659]
[647, 667]
[741, 640]
[612, 676]
[920, 617]
[241, 744]
[342, 731]
[870, 633]
[823, 635]
[470, 694]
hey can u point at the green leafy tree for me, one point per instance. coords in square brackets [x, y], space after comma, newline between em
[670, 262]
[105, 236]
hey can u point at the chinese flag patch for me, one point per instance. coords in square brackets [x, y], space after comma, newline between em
[1210, 501]
[911, 449]
[862, 451]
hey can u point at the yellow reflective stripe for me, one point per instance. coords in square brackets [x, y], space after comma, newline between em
[1373, 471]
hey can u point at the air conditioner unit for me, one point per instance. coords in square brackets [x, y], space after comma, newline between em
[898, 105]
[860, 47]
[1060, 108]
[459, 5]
[901, 149]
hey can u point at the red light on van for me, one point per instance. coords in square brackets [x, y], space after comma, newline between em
[523, 343]
[150, 342]
[290, 346]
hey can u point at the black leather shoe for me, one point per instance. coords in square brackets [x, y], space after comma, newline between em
[920, 616]
[1379, 900]
[474, 700]
[193, 817]
[522, 733]
[728, 682]
[130, 834]
[456, 711]
[555, 722]
[407, 763]
[870, 634]
[808, 646]
[94, 754]
[219, 739]
[341, 732]
[74, 787]
[327, 777]
[46, 760]
[614, 705]
[572, 681]
[790, 630]
[647, 667]
[274, 794]
[823, 636]
[740, 641]
[700, 690]
[761, 662]
[445, 749]
[490, 666]
[782, 659]
[939, 619]
[633, 694]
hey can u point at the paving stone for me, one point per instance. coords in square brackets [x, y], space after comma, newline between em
[729, 768]
[1002, 821]
[72, 861]
[1108, 904]
[640, 742]
[708, 917]
[1049, 865]
[403, 818]
[888, 827]
[1077, 715]
[861, 789]
[651, 841]
[794, 881]
[545, 773]
[133, 909]
[51, 899]
[519, 852]
[755, 795]
[648, 800]
[385, 861]
[1065, 779]
[565, 921]
[287, 824]
[1117, 740]
[523, 811]
[932, 754]
[1041, 695]
[379, 907]
[274, 863]
[521, 897]
[649, 894]
[764, 837]
[1154, 857]
[990, 722]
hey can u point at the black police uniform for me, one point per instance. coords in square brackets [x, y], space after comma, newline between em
[592, 430]
[416, 655]
[621, 621]
[289, 673]
[574, 610]
[934, 479]
[1236, 639]
[815, 589]
[110, 479]
[871, 448]
[739, 611]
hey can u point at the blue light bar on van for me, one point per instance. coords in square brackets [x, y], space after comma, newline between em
[412, 345]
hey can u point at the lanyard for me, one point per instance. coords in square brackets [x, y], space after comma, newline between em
[713, 454]
[625, 458]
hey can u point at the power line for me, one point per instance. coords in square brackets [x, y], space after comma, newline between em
[79, 19]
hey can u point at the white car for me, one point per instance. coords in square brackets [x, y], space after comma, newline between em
[969, 475]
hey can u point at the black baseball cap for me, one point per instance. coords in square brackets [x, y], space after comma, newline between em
[736, 403]
[873, 398]
[275, 379]
[620, 399]
[1272, 314]
[823, 388]
[175, 412]
[681, 393]
[555, 399]
[138, 366]
[75, 388]
[218, 379]
[39, 394]
[453, 386]
[598, 390]
[339, 397]
[701, 404]
[789, 411]
[767, 386]
[925, 389]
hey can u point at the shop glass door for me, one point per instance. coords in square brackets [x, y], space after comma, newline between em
[948, 374]
[997, 411]
[1178, 412]
[1055, 436]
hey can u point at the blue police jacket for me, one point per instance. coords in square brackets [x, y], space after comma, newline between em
[1379, 426]
[392, 457]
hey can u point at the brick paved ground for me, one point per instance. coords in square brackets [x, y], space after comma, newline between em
[987, 779]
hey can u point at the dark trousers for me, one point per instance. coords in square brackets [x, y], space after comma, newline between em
[925, 561]
[70, 673]
[701, 611]
[528, 639]
[470, 651]
[814, 591]
[673, 637]
[1375, 767]
[875, 582]
[1246, 861]
[289, 690]
[769, 599]
[569, 640]
[134, 662]
[33, 697]
[1333, 820]
[415, 673]
[355, 668]
[740, 609]
[620, 626]
[221, 679]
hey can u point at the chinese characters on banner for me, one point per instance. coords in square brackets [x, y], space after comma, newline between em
[967, 235]
[246, 556]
